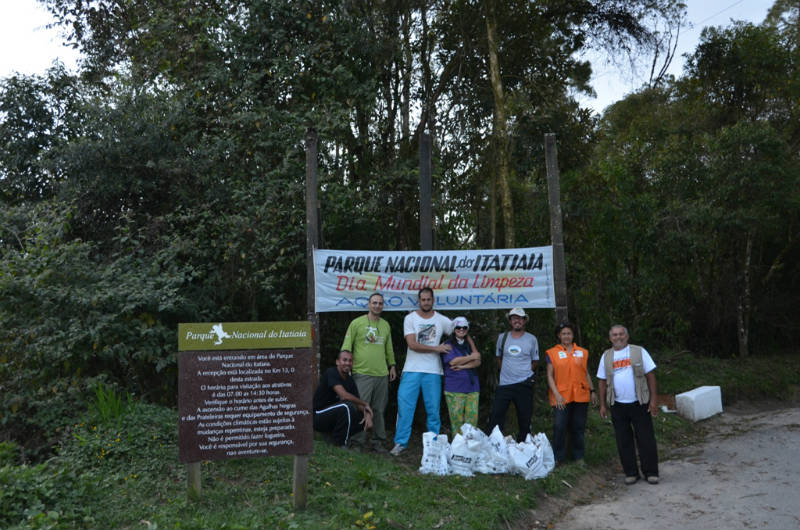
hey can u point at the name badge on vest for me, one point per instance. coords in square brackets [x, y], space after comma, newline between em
[578, 354]
[562, 355]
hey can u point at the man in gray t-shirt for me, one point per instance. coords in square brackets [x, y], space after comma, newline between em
[517, 352]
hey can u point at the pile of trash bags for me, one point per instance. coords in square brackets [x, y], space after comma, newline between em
[471, 451]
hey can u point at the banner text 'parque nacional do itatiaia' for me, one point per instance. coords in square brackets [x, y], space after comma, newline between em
[461, 279]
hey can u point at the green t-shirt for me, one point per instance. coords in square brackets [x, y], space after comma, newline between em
[371, 344]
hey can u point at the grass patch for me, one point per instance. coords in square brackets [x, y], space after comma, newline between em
[120, 470]
[683, 371]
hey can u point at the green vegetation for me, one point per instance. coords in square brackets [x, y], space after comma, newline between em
[164, 183]
[683, 371]
[123, 472]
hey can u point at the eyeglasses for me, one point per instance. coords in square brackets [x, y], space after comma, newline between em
[461, 327]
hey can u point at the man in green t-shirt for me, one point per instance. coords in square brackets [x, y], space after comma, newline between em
[369, 337]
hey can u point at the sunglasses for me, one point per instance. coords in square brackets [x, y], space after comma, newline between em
[461, 327]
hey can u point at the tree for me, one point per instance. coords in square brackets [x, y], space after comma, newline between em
[39, 114]
[174, 161]
[694, 188]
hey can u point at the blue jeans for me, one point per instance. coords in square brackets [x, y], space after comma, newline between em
[407, 395]
[572, 419]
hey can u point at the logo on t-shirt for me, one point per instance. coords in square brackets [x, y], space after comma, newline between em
[514, 350]
[426, 334]
[622, 363]
[371, 336]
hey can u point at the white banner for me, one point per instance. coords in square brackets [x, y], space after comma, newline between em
[460, 279]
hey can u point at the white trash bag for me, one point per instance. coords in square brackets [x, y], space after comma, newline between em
[435, 454]
[498, 461]
[548, 458]
[478, 443]
[533, 458]
[462, 457]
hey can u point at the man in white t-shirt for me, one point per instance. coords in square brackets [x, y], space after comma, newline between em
[422, 371]
[632, 397]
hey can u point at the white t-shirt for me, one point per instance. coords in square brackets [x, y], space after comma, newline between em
[624, 386]
[428, 331]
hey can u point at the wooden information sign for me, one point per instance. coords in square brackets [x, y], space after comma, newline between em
[244, 390]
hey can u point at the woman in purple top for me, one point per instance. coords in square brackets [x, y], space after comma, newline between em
[461, 387]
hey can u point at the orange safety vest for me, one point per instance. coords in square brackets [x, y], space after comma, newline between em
[569, 373]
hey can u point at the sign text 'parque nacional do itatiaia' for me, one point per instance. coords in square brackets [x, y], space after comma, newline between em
[461, 279]
[244, 390]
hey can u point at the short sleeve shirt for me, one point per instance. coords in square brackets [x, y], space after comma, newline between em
[624, 386]
[427, 331]
[325, 395]
[518, 355]
[371, 344]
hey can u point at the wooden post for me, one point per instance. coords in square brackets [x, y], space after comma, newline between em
[193, 480]
[556, 227]
[425, 206]
[300, 482]
[300, 474]
[312, 239]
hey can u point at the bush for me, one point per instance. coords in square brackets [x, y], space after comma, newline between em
[71, 320]
[46, 496]
[9, 453]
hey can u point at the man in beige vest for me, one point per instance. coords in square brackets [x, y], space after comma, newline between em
[627, 383]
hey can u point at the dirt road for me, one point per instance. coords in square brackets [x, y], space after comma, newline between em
[745, 475]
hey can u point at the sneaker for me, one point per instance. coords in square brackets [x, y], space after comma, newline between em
[652, 479]
[397, 449]
[632, 480]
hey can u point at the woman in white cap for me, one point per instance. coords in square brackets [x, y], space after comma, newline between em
[461, 387]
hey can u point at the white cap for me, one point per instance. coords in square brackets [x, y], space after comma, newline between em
[517, 311]
[460, 322]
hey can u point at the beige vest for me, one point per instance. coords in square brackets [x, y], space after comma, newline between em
[639, 379]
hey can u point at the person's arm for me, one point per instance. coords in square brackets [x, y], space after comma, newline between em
[473, 360]
[474, 356]
[411, 340]
[551, 382]
[534, 354]
[592, 391]
[651, 384]
[390, 356]
[601, 389]
[462, 363]
[360, 404]
[470, 364]
[344, 395]
[498, 354]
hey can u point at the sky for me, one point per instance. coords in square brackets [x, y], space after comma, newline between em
[29, 47]
[613, 83]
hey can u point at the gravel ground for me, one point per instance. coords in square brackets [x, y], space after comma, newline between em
[745, 475]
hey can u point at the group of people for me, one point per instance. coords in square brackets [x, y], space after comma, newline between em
[352, 396]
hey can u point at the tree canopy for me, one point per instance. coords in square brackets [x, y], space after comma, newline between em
[164, 182]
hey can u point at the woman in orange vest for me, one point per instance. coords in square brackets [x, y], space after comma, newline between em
[571, 389]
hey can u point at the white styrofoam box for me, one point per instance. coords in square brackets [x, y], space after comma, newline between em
[700, 403]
